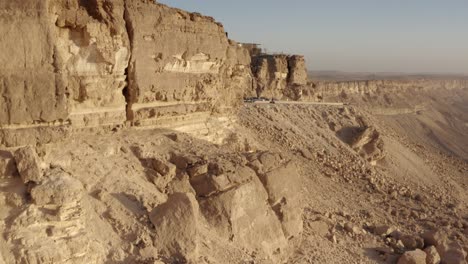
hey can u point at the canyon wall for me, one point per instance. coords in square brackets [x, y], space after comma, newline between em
[279, 76]
[73, 65]
[332, 91]
[80, 64]
[182, 64]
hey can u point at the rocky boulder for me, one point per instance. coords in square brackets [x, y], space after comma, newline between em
[413, 257]
[369, 144]
[28, 165]
[449, 251]
[283, 186]
[177, 223]
[432, 256]
[58, 188]
[279, 76]
[243, 215]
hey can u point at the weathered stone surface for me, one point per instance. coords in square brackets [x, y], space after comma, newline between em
[383, 230]
[352, 229]
[244, 215]
[70, 67]
[279, 76]
[176, 225]
[449, 252]
[30, 90]
[73, 69]
[413, 257]
[198, 170]
[297, 70]
[28, 166]
[369, 144]
[53, 227]
[91, 55]
[283, 186]
[434, 237]
[182, 63]
[432, 256]
[7, 165]
[58, 188]
[412, 242]
[220, 176]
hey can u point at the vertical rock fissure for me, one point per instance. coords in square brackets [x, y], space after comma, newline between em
[128, 91]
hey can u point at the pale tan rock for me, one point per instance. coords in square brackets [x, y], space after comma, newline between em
[59, 188]
[351, 228]
[53, 226]
[451, 252]
[383, 230]
[7, 165]
[14, 199]
[163, 167]
[283, 186]
[220, 176]
[432, 256]
[186, 73]
[413, 257]
[198, 170]
[269, 161]
[165, 171]
[279, 76]
[28, 165]
[412, 242]
[176, 225]
[434, 237]
[298, 70]
[244, 215]
[369, 144]
[321, 228]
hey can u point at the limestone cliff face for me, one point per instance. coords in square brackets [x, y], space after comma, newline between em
[319, 91]
[106, 62]
[279, 75]
[182, 63]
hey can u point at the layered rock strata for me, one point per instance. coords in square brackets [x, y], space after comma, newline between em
[279, 76]
[182, 64]
[107, 63]
[326, 91]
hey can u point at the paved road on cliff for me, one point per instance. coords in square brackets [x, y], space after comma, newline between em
[298, 103]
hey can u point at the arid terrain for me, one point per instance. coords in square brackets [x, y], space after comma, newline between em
[124, 138]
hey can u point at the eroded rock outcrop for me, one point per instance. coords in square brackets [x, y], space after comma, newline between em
[332, 91]
[177, 223]
[103, 63]
[53, 227]
[241, 201]
[279, 76]
[28, 166]
[182, 64]
[369, 144]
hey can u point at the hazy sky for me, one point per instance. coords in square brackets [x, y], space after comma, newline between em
[351, 35]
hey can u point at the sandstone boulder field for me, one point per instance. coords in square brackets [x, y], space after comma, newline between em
[125, 138]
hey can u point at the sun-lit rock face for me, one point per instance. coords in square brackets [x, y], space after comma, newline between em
[103, 62]
[279, 76]
[182, 64]
[91, 52]
[326, 90]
